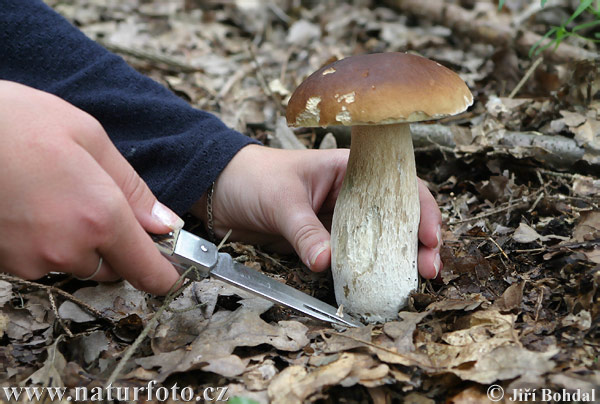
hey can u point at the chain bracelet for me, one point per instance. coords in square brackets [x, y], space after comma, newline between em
[209, 212]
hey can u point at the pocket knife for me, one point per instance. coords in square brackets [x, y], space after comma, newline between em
[185, 250]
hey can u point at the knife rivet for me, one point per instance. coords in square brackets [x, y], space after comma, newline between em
[203, 248]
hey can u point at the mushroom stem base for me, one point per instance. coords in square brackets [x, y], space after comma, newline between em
[374, 234]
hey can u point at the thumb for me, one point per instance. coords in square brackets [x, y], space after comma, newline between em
[308, 236]
[151, 213]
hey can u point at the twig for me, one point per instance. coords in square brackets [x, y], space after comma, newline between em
[174, 292]
[589, 201]
[538, 304]
[58, 317]
[262, 80]
[224, 240]
[531, 250]
[237, 76]
[526, 77]
[499, 248]
[469, 24]
[404, 357]
[539, 198]
[149, 56]
[490, 213]
[51, 289]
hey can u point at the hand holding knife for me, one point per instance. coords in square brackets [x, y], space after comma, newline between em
[185, 250]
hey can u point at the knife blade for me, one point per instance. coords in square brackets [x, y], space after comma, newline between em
[184, 250]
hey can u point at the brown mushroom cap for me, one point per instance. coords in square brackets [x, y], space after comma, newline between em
[379, 88]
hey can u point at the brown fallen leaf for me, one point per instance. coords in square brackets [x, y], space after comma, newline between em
[469, 303]
[114, 300]
[588, 227]
[54, 366]
[22, 323]
[6, 292]
[581, 320]
[259, 376]
[507, 362]
[220, 335]
[526, 234]
[417, 398]
[511, 298]
[4, 321]
[481, 326]
[402, 331]
[470, 395]
[585, 185]
[344, 341]
[294, 384]
[366, 371]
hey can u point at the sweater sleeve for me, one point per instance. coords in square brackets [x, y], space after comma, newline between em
[178, 150]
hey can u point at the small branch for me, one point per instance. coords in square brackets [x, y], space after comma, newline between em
[263, 81]
[175, 291]
[390, 351]
[469, 24]
[52, 289]
[58, 317]
[152, 57]
[526, 77]
[499, 248]
[492, 212]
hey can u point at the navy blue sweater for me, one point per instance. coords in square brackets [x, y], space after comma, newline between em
[177, 150]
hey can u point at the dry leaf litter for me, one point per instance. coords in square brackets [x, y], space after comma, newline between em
[517, 178]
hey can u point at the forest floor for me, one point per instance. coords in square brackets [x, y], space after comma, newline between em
[517, 178]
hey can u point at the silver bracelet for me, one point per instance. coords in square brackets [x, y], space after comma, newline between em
[209, 212]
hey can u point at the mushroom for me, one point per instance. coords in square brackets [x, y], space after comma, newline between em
[374, 233]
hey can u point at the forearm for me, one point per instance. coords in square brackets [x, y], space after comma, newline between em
[178, 150]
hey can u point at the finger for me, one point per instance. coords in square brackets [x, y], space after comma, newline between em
[106, 274]
[429, 262]
[130, 252]
[152, 215]
[308, 237]
[430, 233]
[99, 272]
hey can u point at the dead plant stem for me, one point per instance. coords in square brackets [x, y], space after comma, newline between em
[52, 289]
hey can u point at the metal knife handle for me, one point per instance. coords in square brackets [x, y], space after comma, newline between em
[186, 250]
[165, 242]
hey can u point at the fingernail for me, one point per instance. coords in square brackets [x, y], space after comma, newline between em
[437, 262]
[439, 236]
[166, 216]
[324, 245]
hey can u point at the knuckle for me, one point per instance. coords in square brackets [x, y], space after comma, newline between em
[55, 257]
[87, 131]
[90, 128]
[148, 281]
[305, 232]
[102, 219]
[134, 189]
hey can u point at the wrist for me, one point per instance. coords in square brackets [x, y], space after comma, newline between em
[199, 209]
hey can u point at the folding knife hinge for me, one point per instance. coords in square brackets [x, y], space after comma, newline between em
[186, 250]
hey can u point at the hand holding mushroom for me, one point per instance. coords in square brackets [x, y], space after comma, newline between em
[374, 234]
[284, 199]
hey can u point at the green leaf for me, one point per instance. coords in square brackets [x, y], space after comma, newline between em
[501, 4]
[585, 25]
[561, 34]
[241, 400]
[582, 6]
[535, 48]
[544, 2]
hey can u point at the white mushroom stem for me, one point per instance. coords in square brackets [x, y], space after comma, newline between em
[374, 234]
